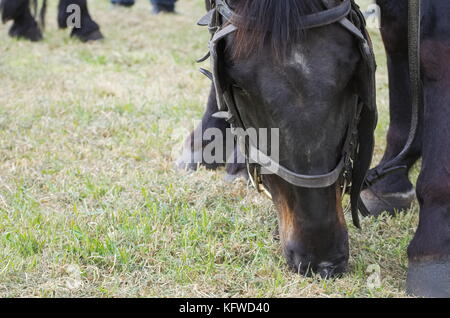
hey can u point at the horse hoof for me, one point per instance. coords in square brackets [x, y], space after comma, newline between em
[392, 203]
[93, 36]
[180, 165]
[429, 279]
[31, 33]
[231, 177]
[235, 171]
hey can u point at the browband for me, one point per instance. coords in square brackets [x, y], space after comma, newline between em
[310, 21]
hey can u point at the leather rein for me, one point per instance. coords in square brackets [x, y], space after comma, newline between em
[417, 101]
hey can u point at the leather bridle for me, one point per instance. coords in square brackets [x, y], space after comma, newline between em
[223, 21]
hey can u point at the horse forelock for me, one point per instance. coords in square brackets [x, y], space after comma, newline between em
[277, 23]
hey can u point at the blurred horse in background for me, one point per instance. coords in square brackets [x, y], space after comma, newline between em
[29, 19]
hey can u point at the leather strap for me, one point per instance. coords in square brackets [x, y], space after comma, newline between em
[310, 21]
[395, 164]
[300, 180]
[326, 17]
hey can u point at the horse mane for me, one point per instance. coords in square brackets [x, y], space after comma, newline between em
[276, 23]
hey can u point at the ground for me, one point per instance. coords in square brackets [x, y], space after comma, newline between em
[90, 204]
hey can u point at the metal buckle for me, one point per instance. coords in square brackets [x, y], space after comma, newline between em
[256, 181]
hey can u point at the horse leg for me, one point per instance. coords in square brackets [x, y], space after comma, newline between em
[88, 29]
[395, 192]
[429, 251]
[195, 143]
[24, 25]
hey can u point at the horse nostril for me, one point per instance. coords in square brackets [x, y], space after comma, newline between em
[326, 270]
[304, 264]
[329, 270]
[299, 261]
[295, 258]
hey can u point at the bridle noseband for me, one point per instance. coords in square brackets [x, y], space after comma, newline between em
[223, 21]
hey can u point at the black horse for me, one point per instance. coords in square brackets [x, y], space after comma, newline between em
[429, 251]
[304, 67]
[25, 24]
[303, 83]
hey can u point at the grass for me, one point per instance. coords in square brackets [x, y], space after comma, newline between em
[90, 205]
